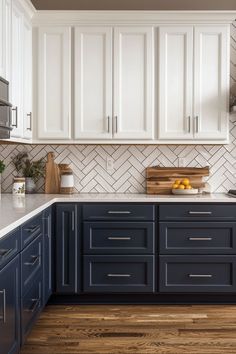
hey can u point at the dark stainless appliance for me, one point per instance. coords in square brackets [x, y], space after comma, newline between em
[5, 110]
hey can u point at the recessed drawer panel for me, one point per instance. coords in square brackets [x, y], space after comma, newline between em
[197, 274]
[118, 237]
[216, 212]
[31, 262]
[31, 229]
[9, 247]
[197, 238]
[119, 274]
[115, 211]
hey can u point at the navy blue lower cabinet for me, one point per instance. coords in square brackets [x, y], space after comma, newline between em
[66, 249]
[10, 307]
[118, 274]
[205, 274]
[10, 245]
[47, 254]
[118, 237]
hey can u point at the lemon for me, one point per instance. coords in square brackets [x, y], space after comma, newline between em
[177, 181]
[175, 186]
[185, 182]
[188, 187]
[181, 186]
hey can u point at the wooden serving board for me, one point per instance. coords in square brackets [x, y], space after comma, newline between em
[159, 180]
[52, 176]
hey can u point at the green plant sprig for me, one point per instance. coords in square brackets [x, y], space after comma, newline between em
[27, 168]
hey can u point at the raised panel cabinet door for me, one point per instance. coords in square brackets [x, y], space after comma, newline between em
[211, 82]
[66, 249]
[27, 79]
[17, 71]
[54, 77]
[5, 38]
[175, 82]
[133, 83]
[10, 307]
[93, 83]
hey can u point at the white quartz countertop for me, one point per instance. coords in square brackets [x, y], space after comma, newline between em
[15, 210]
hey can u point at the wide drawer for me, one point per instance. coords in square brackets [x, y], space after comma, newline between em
[119, 274]
[197, 274]
[9, 247]
[31, 262]
[197, 212]
[31, 306]
[197, 238]
[118, 237]
[116, 211]
[31, 229]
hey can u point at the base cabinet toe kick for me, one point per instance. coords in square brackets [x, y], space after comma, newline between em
[115, 253]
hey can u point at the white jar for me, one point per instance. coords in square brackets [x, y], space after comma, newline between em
[67, 182]
[18, 186]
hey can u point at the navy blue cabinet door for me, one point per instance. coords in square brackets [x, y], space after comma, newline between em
[66, 248]
[47, 255]
[10, 308]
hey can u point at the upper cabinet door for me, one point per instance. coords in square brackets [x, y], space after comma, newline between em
[54, 77]
[211, 82]
[5, 38]
[175, 82]
[93, 83]
[133, 83]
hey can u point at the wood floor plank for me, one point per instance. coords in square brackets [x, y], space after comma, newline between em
[126, 329]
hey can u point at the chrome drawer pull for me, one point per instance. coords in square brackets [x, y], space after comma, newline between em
[35, 260]
[200, 275]
[33, 228]
[3, 317]
[119, 275]
[200, 238]
[34, 306]
[5, 253]
[200, 212]
[118, 212]
[119, 238]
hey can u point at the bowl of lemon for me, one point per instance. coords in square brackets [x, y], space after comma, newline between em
[183, 187]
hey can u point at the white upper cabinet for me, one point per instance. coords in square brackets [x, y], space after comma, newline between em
[133, 83]
[54, 83]
[211, 82]
[93, 83]
[5, 38]
[175, 82]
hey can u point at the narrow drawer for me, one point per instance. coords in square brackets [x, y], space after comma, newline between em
[119, 274]
[118, 237]
[197, 238]
[116, 211]
[197, 212]
[197, 274]
[9, 247]
[31, 229]
[31, 307]
[31, 262]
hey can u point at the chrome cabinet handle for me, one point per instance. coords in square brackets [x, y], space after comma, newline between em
[196, 124]
[15, 109]
[5, 253]
[35, 304]
[200, 275]
[108, 124]
[189, 124]
[118, 275]
[30, 119]
[200, 212]
[118, 212]
[119, 238]
[33, 228]
[73, 221]
[35, 260]
[3, 317]
[200, 238]
[115, 125]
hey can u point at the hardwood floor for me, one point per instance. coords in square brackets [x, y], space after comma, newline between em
[134, 329]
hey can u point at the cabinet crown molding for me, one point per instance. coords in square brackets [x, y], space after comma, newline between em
[71, 18]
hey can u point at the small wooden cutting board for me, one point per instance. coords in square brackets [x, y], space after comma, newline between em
[52, 175]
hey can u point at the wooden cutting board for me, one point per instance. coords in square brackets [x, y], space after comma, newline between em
[159, 180]
[52, 175]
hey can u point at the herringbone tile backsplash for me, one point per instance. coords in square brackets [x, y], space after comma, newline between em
[128, 176]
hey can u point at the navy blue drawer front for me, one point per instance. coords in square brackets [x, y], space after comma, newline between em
[31, 229]
[118, 237]
[197, 274]
[123, 211]
[197, 238]
[204, 211]
[31, 262]
[119, 274]
[31, 307]
[9, 247]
